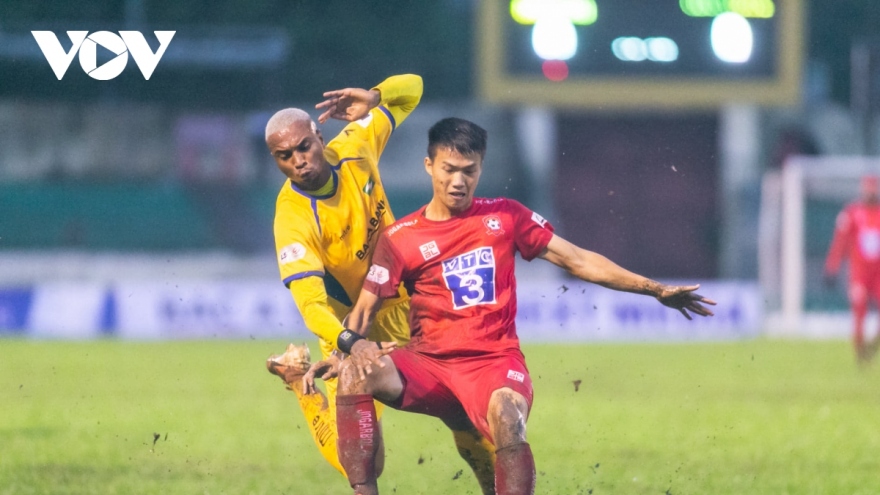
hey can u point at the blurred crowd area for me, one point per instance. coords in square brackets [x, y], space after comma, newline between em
[146, 177]
[178, 163]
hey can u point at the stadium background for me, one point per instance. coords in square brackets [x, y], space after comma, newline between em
[137, 210]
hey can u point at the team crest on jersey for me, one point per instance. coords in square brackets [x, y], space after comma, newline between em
[429, 250]
[470, 277]
[368, 188]
[538, 219]
[378, 274]
[364, 122]
[493, 224]
[291, 252]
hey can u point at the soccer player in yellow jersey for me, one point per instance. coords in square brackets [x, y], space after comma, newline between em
[328, 216]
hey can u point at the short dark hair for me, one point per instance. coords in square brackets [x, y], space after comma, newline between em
[459, 135]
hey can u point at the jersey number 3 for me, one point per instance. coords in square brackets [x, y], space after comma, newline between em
[471, 278]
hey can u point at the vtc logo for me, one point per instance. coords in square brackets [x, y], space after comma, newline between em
[86, 44]
[471, 277]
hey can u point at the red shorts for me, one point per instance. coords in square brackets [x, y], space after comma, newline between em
[457, 390]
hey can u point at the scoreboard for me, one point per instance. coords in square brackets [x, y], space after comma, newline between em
[618, 54]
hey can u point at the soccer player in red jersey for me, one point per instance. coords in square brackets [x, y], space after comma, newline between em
[463, 363]
[857, 237]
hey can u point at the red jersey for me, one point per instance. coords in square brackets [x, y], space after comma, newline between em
[460, 274]
[856, 236]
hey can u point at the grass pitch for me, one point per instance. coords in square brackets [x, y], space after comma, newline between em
[206, 418]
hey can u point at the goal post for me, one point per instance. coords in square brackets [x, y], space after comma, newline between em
[799, 205]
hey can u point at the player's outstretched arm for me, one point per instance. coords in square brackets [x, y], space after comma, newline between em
[363, 353]
[593, 267]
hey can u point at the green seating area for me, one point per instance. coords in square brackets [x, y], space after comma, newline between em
[146, 216]
[130, 216]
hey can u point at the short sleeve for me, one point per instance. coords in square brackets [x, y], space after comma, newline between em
[297, 250]
[533, 232]
[387, 270]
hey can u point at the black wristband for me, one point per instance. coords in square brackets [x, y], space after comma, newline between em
[346, 339]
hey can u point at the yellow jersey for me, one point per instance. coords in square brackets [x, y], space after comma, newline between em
[332, 236]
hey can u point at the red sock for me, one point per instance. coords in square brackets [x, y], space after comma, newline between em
[358, 437]
[860, 310]
[515, 470]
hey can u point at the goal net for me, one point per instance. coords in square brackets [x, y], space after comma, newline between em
[799, 206]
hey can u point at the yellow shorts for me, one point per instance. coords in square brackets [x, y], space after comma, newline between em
[391, 325]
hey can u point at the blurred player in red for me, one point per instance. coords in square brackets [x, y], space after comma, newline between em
[857, 237]
[463, 363]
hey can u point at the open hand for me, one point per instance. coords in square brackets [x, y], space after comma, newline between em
[684, 299]
[326, 369]
[347, 104]
[366, 354]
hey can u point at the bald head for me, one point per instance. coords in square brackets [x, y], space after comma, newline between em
[297, 146]
[283, 119]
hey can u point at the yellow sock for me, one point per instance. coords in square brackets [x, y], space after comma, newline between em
[479, 453]
[321, 421]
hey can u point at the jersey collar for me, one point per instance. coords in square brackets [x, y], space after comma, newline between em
[333, 176]
[466, 213]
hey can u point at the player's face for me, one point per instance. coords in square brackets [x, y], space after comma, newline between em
[299, 153]
[454, 177]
